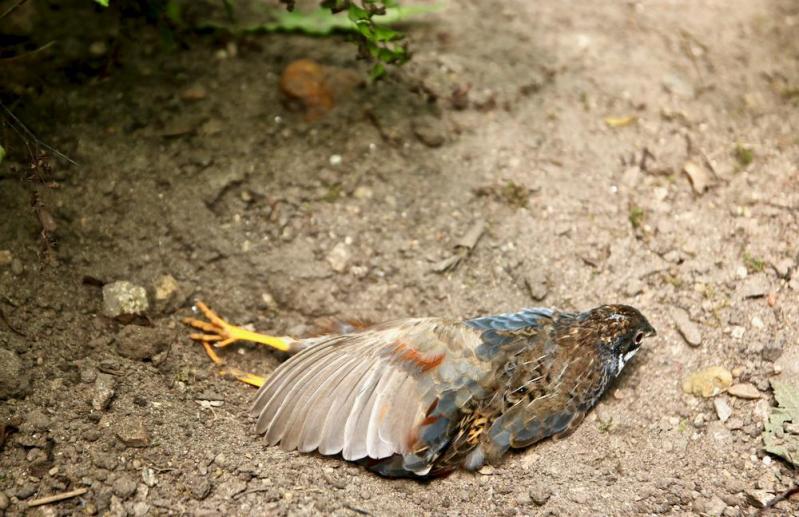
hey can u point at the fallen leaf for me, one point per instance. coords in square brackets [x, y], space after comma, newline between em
[775, 439]
[708, 382]
[698, 175]
[621, 121]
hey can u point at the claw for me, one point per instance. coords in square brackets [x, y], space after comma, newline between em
[217, 333]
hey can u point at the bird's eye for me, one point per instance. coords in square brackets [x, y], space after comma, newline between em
[638, 338]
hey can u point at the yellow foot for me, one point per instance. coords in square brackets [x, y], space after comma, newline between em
[218, 333]
[221, 333]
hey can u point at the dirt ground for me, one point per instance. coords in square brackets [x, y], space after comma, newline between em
[564, 127]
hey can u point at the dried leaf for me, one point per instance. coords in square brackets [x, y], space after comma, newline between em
[698, 175]
[621, 121]
[775, 439]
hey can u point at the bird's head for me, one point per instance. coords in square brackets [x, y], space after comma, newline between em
[620, 330]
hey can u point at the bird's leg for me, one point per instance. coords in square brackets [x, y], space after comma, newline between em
[218, 333]
[221, 333]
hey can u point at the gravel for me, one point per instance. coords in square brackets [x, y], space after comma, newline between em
[124, 299]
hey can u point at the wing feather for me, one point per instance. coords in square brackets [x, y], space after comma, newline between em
[365, 394]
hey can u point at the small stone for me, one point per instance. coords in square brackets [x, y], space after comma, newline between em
[721, 436]
[133, 433]
[98, 48]
[200, 487]
[791, 428]
[755, 286]
[772, 350]
[687, 328]
[6, 258]
[104, 461]
[487, 470]
[36, 456]
[699, 421]
[758, 498]
[148, 476]
[723, 408]
[228, 489]
[88, 375]
[537, 284]
[14, 378]
[715, 506]
[38, 420]
[140, 509]
[124, 299]
[124, 486]
[788, 362]
[783, 268]
[539, 494]
[194, 93]
[4, 502]
[707, 382]
[17, 267]
[335, 159]
[104, 391]
[339, 257]
[699, 176]
[165, 287]
[430, 131]
[363, 192]
[142, 343]
[744, 390]
[25, 491]
[116, 508]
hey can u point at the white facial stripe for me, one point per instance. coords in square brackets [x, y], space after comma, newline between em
[624, 359]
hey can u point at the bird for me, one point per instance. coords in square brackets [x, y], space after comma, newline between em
[423, 397]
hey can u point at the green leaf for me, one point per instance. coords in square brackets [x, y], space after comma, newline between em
[104, 3]
[2, 153]
[775, 438]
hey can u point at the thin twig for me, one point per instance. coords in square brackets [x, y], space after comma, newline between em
[12, 8]
[17, 122]
[58, 497]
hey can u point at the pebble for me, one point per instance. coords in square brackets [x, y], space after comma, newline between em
[687, 328]
[17, 267]
[148, 476]
[537, 285]
[124, 298]
[744, 390]
[772, 350]
[200, 487]
[104, 391]
[124, 486]
[788, 362]
[755, 286]
[363, 192]
[6, 258]
[723, 408]
[141, 508]
[98, 48]
[699, 176]
[194, 93]
[164, 288]
[142, 343]
[707, 382]
[133, 433]
[539, 494]
[430, 131]
[4, 502]
[758, 498]
[14, 379]
[783, 268]
[339, 257]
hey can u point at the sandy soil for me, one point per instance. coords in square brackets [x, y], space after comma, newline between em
[193, 166]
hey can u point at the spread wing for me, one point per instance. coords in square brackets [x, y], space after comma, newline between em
[370, 394]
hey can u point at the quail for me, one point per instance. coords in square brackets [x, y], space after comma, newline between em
[425, 396]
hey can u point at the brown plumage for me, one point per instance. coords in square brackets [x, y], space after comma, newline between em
[421, 397]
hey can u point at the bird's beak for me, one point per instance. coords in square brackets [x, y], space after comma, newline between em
[650, 331]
